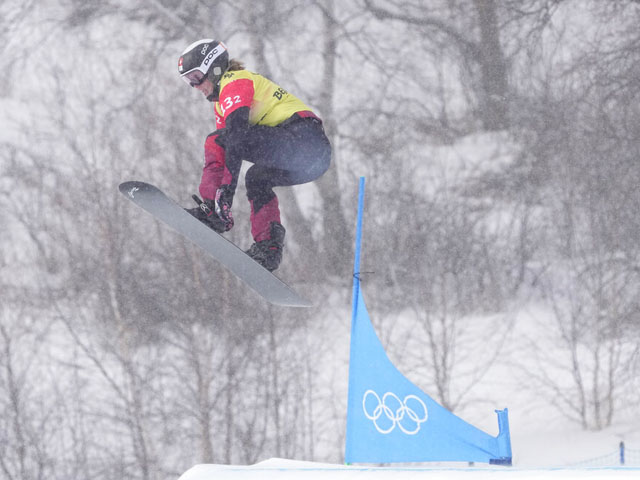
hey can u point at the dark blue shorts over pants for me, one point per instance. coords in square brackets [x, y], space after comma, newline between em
[292, 153]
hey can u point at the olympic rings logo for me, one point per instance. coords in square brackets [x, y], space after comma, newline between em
[390, 411]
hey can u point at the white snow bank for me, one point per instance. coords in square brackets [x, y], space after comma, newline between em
[277, 468]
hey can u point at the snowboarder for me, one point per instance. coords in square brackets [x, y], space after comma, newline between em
[256, 121]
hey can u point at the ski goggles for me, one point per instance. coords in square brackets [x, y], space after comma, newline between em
[194, 77]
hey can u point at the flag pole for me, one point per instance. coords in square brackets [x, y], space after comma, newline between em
[356, 262]
[354, 314]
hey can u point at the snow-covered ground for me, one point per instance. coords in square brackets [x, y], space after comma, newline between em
[276, 469]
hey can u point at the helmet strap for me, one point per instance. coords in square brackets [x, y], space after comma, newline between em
[215, 95]
[215, 75]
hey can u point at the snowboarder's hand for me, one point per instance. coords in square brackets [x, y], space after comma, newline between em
[205, 212]
[224, 200]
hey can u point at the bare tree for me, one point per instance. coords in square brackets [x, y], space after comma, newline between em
[27, 418]
[594, 371]
[477, 40]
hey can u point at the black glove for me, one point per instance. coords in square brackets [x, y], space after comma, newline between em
[224, 200]
[205, 212]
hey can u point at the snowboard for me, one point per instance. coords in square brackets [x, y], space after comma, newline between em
[261, 280]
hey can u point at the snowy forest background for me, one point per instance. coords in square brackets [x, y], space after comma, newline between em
[501, 145]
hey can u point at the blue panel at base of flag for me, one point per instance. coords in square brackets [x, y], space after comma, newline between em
[389, 419]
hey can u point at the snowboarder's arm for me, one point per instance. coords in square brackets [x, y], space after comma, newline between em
[232, 139]
[214, 186]
[214, 167]
[232, 114]
[223, 148]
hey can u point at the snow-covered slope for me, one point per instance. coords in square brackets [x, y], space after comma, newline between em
[287, 469]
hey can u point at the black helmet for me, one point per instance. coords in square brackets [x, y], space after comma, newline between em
[203, 59]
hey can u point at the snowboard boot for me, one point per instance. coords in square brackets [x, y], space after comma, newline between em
[268, 253]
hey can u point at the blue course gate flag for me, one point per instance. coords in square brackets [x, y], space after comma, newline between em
[389, 419]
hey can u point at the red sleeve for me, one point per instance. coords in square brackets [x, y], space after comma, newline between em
[236, 94]
[213, 170]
